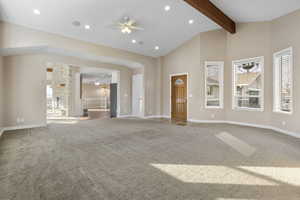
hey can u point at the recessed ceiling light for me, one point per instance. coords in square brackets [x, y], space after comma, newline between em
[87, 27]
[76, 23]
[167, 8]
[191, 21]
[36, 12]
[156, 48]
[133, 41]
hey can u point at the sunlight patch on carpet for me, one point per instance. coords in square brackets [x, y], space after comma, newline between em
[239, 175]
[237, 144]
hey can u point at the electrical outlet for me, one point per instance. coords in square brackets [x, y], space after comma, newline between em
[213, 116]
[283, 123]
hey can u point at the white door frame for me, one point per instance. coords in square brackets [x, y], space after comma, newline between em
[142, 94]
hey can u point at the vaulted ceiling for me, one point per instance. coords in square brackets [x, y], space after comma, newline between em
[256, 10]
[166, 29]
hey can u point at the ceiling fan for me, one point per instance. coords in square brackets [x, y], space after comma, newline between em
[127, 25]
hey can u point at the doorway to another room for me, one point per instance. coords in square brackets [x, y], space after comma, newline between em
[81, 93]
[58, 92]
[96, 95]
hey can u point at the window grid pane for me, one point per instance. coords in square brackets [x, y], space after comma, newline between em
[213, 85]
[284, 95]
[248, 84]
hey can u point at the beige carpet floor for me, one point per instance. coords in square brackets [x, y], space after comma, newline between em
[130, 159]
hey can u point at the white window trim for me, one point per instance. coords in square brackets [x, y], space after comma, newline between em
[275, 55]
[255, 59]
[221, 84]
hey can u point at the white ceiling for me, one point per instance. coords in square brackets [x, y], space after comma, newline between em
[92, 75]
[166, 29]
[256, 10]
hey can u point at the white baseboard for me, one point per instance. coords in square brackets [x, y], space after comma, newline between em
[124, 116]
[207, 121]
[1, 131]
[166, 116]
[286, 132]
[145, 117]
[151, 116]
[154, 116]
[293, 134]
[11, 128]
[249, 125]
[289, 133]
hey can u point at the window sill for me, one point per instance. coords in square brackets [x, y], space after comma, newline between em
[282, 112]
[213, 107]
[249, 109]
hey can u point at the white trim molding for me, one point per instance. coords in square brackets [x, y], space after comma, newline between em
[124, 116]
[1, 131]
[207, 121]
[285, 132]
[276, 75]
[260, 59]
[153, 116]
[289, 133]
[220, 65]
[12, 128]
[143, 117]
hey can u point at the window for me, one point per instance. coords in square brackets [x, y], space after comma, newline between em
[248, 84]
[283, 81]
[214, 84]
[49, 92]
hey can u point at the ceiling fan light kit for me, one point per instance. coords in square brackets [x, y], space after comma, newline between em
[126, 30]
[127, 25]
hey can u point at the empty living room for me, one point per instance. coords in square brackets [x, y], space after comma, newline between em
[149, 100]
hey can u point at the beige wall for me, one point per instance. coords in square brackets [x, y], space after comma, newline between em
[190, 58]
[1, 93]
[251, 40]
[25, 86]
[25, 90]
[12, 36]
[90, 90]
[285, 32]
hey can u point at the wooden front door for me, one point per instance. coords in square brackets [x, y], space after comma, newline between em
[179, 98]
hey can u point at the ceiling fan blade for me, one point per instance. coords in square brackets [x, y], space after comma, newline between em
[131, 22]
[137, 28]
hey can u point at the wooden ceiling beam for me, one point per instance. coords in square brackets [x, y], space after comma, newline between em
[211, 11]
